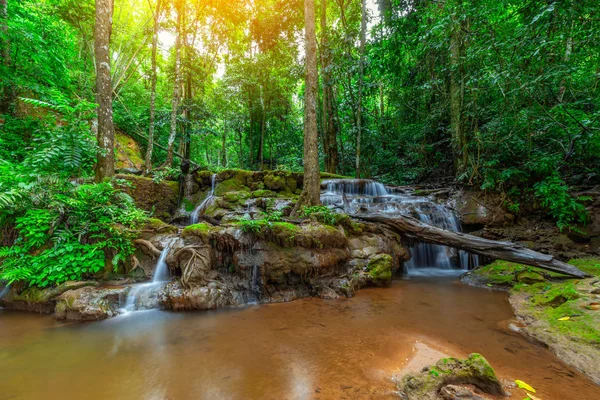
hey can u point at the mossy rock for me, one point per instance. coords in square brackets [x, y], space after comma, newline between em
[201, 231]
[475, 370]
[308, 236]
[380, 269]
[529, 277]
[128, 154]
[275, 183]
[236, 197]
[257, 194]
[155, 225]
[158, 198]
[230, 185]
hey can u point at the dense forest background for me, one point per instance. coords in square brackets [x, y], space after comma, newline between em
[499, 95]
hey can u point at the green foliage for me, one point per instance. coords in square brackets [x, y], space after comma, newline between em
[323, 214]
[255, 226]
[554, 195]
[171, 174]
[69, 234]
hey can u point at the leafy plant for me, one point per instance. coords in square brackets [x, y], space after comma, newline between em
[564, 208]
[323, 214]
[71, 236]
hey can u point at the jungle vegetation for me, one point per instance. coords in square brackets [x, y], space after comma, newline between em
[499, 96]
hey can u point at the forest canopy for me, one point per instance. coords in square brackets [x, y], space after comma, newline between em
[501, 96]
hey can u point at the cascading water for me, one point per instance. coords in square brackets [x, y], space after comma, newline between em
[4, 291]
[205, 203]
[144, 295]
[355, 195]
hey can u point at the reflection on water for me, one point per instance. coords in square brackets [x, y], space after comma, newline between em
[307, 349]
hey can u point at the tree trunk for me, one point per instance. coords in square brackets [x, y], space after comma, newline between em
[311, 192]
[176, 87]
[153, 77]
[105, 165]
[329, 130]
[224, 146]
[263, 121]
[489, 248]
[361, 73]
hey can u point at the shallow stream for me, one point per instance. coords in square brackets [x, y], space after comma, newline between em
[306, 349]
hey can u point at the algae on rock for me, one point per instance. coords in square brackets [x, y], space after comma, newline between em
[474, 370]
[380, 269]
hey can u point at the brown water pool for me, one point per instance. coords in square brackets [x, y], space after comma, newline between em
[306, 349]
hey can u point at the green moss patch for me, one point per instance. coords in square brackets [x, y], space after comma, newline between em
[380, 269]
[475, 370]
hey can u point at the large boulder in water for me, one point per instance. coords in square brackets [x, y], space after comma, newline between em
[89, 304]
[37, 299]
[430, 382]
[175, 297]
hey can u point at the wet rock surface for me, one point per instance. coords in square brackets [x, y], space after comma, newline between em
[89, 304]
[446, 380]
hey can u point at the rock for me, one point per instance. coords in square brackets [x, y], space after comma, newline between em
[477, 208]
[88, 304]
[529, 277]
[150, 196]
[39, 300]
[358, 254]
[328, 293]
[453, 392]
[380, 269]
[175, 297]
[475, 370]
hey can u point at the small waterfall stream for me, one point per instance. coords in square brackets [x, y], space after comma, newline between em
[355, 195]
[144, 295]
[4, 291]
[205, 203]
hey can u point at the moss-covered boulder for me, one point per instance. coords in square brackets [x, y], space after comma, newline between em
[200, 231]
[529, 277]
[158, 198]
[89, 304]
[379, 269]
[475, 370]
[39, 300]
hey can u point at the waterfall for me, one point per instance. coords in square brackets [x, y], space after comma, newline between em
[205, 203]
[161, 273]
[354, 195]
[145, 295]
[4, 291]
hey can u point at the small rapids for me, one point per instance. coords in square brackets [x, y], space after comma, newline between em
[362, 195]
[144, 296]
[195, 217]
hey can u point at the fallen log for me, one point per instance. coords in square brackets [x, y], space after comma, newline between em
[507, 251]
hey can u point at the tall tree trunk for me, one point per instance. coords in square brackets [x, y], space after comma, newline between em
[187, 137]
[177, 85]
[457, 90]
[311, 192]
[361, 73]
[241, 149]
[329, 129]
[153, 77]
[263, 123]
[224, 146]
[105, 165]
